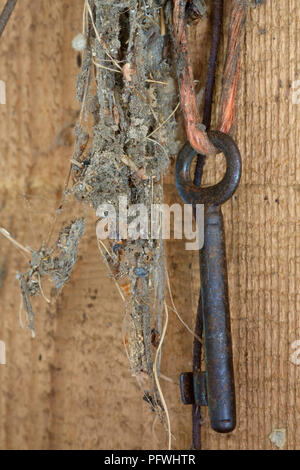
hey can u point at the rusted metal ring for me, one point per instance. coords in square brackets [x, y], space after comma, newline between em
[220, 192]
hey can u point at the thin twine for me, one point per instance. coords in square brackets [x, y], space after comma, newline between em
[217, 21]
[217, 9]
[6, 14]
[197, 136]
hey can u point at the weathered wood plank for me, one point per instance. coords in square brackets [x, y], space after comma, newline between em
[70, 387]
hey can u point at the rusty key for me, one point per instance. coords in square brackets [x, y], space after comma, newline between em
[215, 387]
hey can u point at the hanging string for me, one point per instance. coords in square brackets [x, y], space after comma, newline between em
[196, 133]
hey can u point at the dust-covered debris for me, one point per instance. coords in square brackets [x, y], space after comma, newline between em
[195, 9]
[56, 262]
[133, 137]
[79, 42]
[256, 3]
[278, 438]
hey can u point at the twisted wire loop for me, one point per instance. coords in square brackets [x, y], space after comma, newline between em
[196, 134]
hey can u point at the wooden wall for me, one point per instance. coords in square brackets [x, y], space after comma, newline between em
[70, 387]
